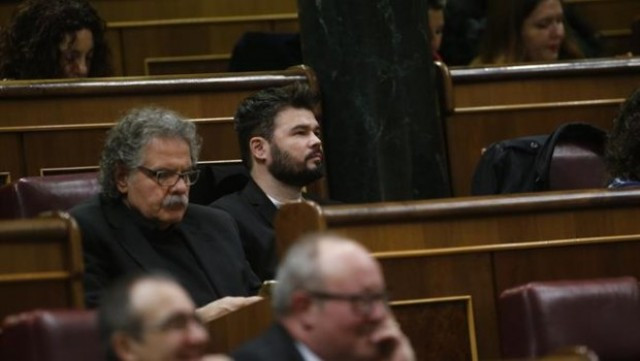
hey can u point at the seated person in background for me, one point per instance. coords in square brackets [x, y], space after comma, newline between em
[436, 26]
[527, 31]
[280, 144]
[150, 317]
[142, 220]
[54, 39]
[623, 145]
[330, 304]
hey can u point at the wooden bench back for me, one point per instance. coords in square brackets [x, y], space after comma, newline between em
[40, 264]
[450, 259]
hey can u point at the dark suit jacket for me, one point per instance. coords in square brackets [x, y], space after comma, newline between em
[254, 213]
[114, 245]
[274, 345]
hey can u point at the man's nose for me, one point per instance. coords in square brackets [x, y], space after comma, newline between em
[197, 334]
[315, 139]
[181, 186]
[378, 310]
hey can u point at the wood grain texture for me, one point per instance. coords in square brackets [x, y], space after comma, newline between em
[480, 246]
[40, 264]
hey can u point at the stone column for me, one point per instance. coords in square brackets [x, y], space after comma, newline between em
[382, 133]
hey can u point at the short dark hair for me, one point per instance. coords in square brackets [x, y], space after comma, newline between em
[116, 314]
[29, 44]
[256, 114]
[623, 146]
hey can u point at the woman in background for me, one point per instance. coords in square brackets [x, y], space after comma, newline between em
[528, 31]
[436, 26]
[54, 39]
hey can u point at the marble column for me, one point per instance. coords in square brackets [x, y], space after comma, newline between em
[382, 133]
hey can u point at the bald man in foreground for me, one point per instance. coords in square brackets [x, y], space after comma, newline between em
[331, 305]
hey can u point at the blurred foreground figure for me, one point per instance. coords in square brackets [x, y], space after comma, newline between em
[151, 318]
[331, 304]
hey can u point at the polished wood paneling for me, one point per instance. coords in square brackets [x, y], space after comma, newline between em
[135, 10]
[480, 246]
[57, 102]
[606, 14]
[232, 330]
[502, 102]
[11, 164]
[139, 41]
[40, 264]
[611, 18]
[196, 64]
[54, 124]
[81, 145]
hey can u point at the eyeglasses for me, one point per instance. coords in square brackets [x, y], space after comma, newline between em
[362, 304]
[177, 322]
[169, 178]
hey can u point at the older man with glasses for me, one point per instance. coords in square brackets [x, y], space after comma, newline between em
[331, 304]
[142, 219]
[149, 317]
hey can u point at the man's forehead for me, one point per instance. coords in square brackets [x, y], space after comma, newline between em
[156, 298]
[295, 117]
[165, 147]
[348, 264]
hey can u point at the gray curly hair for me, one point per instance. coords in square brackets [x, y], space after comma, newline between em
[127, 139]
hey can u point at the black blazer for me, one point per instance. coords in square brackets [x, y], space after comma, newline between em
[274, 345]
[254, 214]
[113, 245]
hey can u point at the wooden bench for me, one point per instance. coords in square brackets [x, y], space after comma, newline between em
[611, 18]
[448, 260]
[61, 124]
[139, 47]
[40, 264]
[489, 104]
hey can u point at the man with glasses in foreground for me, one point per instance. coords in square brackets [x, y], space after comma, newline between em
[330, 304]
[150, 317]
[142, 220]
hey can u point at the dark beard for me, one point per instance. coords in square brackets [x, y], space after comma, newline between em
[283, 169]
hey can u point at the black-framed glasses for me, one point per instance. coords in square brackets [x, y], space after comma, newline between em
[362, 304]
[169, 178]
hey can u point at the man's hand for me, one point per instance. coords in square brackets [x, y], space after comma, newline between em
[223, 306]
[392, 343]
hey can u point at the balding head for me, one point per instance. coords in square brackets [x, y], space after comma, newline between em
[313, 260]
[331, 297]
[151, 318]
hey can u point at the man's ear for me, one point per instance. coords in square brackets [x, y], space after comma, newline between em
[259, 148]
[302, 306]
[122, 176]
[123, 346]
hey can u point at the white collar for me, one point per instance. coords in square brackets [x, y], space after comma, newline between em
[307, 354]
[278, 203]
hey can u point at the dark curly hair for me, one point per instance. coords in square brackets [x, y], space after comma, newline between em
[623, 146]
[29, 45]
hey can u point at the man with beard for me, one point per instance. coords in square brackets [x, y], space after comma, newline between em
[330, 304]
[142, 221]
[280, 143]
